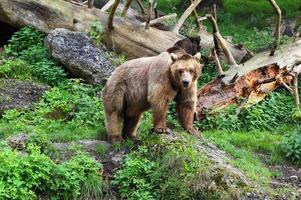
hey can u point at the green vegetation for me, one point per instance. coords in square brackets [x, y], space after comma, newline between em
[68, 111]
[96, 32]
[173, 169]
[34, 175]
[291, 147]
[267, 133]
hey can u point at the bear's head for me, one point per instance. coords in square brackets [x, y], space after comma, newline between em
[185, 69]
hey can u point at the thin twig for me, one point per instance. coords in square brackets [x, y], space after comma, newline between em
[277, 26]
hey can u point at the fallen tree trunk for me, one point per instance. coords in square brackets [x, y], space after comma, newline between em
[129, 35]
[252, 80]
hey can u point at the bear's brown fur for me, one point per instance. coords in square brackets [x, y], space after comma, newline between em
[151, 83]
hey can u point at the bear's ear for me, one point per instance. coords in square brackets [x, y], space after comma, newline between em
[197, 56]
[174, 57]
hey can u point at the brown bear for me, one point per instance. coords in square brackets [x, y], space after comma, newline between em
[151, 83]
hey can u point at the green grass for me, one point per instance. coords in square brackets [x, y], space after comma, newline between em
[243, 146]
[255, 141]
[245, 8]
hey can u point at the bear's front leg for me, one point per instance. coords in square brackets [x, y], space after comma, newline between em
[186, 116]
[186, 106]
[159, 118]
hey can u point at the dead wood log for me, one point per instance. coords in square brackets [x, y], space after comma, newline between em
[128, 36]
[253, 80]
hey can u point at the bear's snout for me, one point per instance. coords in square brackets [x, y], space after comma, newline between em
[185, 83]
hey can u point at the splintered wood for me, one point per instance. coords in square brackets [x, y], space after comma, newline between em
[254, 79]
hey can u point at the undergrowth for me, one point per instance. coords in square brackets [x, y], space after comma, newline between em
[34, 175]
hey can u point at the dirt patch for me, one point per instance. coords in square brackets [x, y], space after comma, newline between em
[290, 175]
[19, 94]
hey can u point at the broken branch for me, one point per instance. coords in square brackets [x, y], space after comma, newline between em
[107, 6]
[149, 13]
[277, 26]
[221, 40]
[112, 14]
[185, 15]
[196, 16]
[160, 19]
[141, 6]
[217, 62]
[126, 7]
[296, 91]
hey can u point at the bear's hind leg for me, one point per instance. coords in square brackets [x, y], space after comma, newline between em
[113, 123]
[130, 126]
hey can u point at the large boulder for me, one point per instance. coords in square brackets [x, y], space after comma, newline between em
[19, 94]
[79, 55]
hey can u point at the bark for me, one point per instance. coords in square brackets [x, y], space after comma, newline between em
[196, 16]
[107, 6]
[252, 80]
[141, 6]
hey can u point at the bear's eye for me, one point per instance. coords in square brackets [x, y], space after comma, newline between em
[181, 71]
[191, 71]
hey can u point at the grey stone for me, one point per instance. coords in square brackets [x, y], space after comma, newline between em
[18, 141]
[79, 55]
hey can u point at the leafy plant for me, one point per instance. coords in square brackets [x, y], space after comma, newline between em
[290, 147]
[24, 39]
[96, 32]
[35, 175]
[137, 187]
[15, 69]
